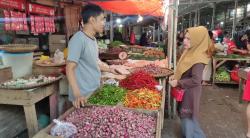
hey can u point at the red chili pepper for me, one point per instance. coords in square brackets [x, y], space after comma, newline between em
[137, 80]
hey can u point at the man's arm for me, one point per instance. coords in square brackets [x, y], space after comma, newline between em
[70, 72]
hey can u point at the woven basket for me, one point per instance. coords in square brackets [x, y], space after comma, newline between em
[18, 48]
[58, 77]
[38, 63]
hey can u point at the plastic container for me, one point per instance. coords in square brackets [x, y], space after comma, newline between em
[21, 63]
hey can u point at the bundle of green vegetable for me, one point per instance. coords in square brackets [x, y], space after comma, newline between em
[222, 75]
[116, 43]
[108, 95]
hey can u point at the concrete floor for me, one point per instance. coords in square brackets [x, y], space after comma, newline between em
[221, 115]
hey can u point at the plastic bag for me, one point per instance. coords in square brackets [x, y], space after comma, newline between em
[59, 57]
[111, 82]
[63, 129]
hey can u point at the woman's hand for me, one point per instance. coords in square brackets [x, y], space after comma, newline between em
[173, 83]
[171, 78]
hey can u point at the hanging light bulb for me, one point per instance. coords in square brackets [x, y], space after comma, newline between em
[140, 18]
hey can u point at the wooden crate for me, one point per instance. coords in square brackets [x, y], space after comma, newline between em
[5, 74]
[45, 133]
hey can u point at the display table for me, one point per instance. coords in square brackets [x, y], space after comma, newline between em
[28, 99]
[45, 133]
[218, 61]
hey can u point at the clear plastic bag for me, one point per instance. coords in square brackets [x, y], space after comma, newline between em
[63, 129]
[111, 82]
[59, 57]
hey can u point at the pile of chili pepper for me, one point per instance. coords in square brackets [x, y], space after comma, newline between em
[108, 95]
[143, 99]
[139, 79]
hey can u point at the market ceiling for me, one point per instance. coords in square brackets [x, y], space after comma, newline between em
[131, 7]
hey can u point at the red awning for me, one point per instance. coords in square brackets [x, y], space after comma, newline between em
[133, 7]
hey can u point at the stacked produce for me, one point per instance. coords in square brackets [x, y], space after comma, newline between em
[143, 98]
[139, 79]
[116, 62]
[154, 53]
[108, 95]
[115, 50]
[103, 122]
[29, 81]
[154, 70]
[116, 43]
[222, 75]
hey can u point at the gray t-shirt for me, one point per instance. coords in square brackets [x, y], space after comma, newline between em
[84, 51]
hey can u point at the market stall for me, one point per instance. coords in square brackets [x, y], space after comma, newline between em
[25, 96]
[219, 61]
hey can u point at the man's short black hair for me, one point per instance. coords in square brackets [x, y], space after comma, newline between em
[90, 10]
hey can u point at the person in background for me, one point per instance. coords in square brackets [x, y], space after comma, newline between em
[132, 38]
[207, 72]
[83, 67]
[232, 47]
[188, 76]
[144, 40]
[180, 48]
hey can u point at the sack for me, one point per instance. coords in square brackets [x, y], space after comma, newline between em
[177, 93]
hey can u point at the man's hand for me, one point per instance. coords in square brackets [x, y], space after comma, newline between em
[244, 51]
[173, 83]
[79, 101]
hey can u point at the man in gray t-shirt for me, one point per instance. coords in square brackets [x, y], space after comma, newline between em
[83, 68]
[83, 50]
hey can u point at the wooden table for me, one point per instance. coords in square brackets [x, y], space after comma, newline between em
[218, 61]
[28, 99]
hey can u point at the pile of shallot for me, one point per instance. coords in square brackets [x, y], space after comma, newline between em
[112, 122]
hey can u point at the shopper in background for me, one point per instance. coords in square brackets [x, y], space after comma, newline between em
[207, 72]
[188, 76]
[144, 39]
[83, 67]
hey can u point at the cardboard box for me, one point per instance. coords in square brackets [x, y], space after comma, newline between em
[57, 39]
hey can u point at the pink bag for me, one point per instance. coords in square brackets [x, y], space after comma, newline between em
[177, 93]
[246, 94]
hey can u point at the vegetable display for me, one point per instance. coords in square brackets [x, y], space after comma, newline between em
[154, 53]
[108, 95]
[112, 122]
[154, 70]
[115, 50]
[222, 75]
[143, 57]
[29, 81]
[143, 98]
[116, 43]
[137, 80]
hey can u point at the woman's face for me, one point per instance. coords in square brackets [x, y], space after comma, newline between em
[186, 41]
